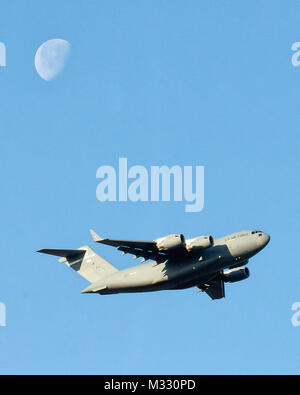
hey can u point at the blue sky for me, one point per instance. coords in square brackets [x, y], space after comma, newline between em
[163, 82]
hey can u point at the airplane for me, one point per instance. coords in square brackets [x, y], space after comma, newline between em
[173, 263]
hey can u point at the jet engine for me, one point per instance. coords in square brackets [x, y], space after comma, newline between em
[234, 275]
[200, 242]
[170, 242]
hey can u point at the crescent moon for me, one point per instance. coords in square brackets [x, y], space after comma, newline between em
[51, 58]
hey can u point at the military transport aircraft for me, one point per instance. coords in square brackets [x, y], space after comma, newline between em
[174, 263]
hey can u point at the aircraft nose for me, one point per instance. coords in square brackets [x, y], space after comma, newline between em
[264, 239]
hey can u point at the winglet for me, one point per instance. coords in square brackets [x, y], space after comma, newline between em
[96, 237]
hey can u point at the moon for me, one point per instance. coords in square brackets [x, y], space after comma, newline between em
[51, 58]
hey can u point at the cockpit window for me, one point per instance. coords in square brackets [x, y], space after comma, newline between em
[256, 231]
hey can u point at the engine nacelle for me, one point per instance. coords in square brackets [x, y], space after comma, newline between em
[234, 275]
[170, 242]
[200, 242]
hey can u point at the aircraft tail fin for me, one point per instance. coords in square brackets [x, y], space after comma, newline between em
[85, 262]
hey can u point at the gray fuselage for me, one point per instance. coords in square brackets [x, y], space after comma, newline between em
[190, 270]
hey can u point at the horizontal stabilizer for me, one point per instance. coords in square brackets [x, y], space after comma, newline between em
[85, 262]
[63, 253]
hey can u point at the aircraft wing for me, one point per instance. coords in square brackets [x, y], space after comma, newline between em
[215, 288]
[143, 249]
